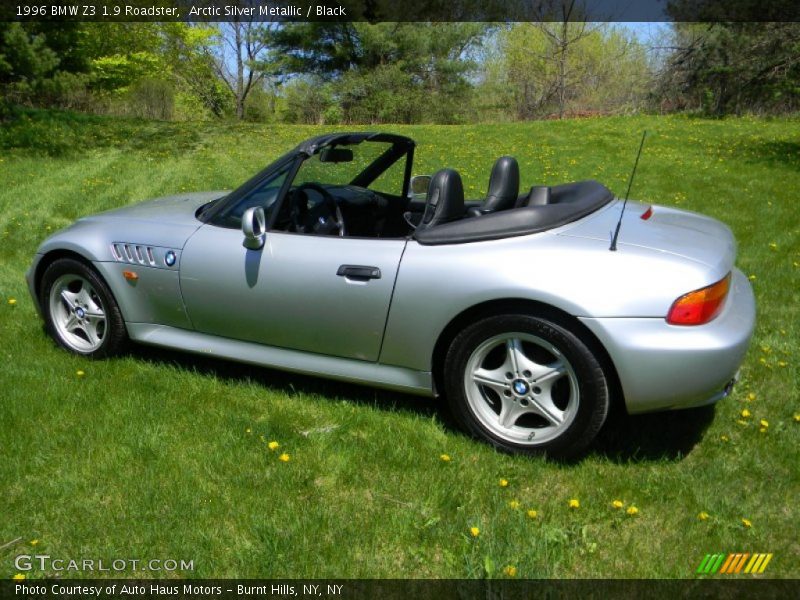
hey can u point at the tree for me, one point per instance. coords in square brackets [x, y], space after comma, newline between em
[562, 67]
[385, 72]
[733, 67]
[238, 52]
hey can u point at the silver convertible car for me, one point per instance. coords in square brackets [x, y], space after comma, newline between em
[334, 261]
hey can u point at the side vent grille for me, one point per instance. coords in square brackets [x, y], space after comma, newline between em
[134, 254]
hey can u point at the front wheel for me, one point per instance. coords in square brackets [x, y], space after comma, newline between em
[526, 384]
[80, 312]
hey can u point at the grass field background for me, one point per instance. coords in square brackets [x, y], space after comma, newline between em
[164, 455]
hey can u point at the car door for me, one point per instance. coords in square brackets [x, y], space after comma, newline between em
[321, 294]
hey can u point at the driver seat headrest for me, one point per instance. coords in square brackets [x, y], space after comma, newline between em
[445, 199]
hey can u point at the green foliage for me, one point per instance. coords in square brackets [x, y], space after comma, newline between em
[306, 101]
[24, 55]
[725, 68]
[379, 73]
[555, 68]
[152, 99]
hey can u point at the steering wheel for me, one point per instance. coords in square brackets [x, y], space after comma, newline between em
[308, 221]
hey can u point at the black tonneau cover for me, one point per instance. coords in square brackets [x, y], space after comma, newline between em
[568, 202]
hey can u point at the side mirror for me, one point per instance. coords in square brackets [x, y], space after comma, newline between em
[254, 228]
[419, 184]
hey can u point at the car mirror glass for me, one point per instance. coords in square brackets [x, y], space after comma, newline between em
[419, 184]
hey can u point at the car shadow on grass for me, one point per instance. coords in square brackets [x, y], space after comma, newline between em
[624, 438]
[669, 435]
[291, 384]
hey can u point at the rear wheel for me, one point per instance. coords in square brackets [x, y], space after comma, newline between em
[80, 312]
[526, 384]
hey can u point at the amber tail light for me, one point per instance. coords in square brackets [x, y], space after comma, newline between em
[700, 306]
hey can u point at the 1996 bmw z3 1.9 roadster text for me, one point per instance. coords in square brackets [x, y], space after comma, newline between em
[334, 261]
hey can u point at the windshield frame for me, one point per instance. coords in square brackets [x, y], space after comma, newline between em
[401, 146]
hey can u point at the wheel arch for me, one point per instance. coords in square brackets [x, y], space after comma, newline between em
[528, 307]
[52, 256]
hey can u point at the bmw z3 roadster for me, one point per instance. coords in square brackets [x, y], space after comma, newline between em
[334, 261]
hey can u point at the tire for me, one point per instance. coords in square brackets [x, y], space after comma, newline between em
[526, 385]
[79, 310]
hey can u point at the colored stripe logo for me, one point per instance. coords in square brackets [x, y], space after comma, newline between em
[731, 564]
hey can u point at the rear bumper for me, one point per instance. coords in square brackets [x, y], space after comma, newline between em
[662, 366]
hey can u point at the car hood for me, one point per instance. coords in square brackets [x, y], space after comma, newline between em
[172, 210]
[163, 222]
[681, 233]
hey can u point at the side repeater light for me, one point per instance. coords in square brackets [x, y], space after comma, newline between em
[700, 306]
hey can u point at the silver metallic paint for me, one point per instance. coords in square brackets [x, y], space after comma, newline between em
[287, 294]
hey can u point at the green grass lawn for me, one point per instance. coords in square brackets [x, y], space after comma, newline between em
[164, 455]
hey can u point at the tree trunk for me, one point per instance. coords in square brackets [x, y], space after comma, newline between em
[239, 73]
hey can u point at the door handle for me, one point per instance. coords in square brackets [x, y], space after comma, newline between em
[359, 272]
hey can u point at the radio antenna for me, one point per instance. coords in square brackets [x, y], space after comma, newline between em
[613, 246]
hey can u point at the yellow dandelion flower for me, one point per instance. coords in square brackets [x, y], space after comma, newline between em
[445, 457]
[503, 483]
[764, 423]
[532, 514]
[797, 417]
[474, 531]
[751, 396]
[510, 570]
[617, 504]
[724, 438]
[33, 542]
[248, 430]
[273, 445]
[514, 504]
[284, 457]
[745, 414]
[703, 516]
[18, 576]
[752, 278]
[773, 245]
[747, 523]
[574, 503]
[782, 363]
[79, 373]
[12, 302]
[632, 510]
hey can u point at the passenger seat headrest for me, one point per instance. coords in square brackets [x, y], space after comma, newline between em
[503, 184]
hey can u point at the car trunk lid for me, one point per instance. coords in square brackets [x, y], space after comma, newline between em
[677, 232]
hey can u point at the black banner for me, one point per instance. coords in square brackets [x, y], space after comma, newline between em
[383, 589]
[401, 10]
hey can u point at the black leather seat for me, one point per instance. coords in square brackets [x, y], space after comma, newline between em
[503, 187]
[445, 199]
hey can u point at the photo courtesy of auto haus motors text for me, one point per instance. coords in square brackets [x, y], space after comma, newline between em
[132, 589]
